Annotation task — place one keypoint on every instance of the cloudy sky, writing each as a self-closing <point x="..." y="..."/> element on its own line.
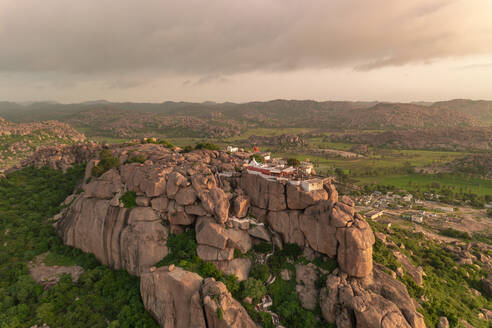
<point x="233" y="50"/>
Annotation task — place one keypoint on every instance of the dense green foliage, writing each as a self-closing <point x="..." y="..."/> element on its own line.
<point x="129" y="199"/>
<point x="447" y="284"/>
<point x="253" y="288"/>
<point x="450" y="232"/>
<point x="107" y="162"/>
<point x="136" y="159"/>
<point x="182" y="252"/>
<point x="260" y="272"/>
<point x="451" y="188"/>
<point x="101" y="297"/>
<point x="207" y="145"/>
<point x="163" y="142"/>
<point x="293" y="161"/>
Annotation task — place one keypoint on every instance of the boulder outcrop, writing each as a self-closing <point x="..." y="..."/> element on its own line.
<point x="173" y="297"/>
<point x="221" y="309"/>
<point x="130" y="239"/>
<point x="378" y="301"/>
<point x="229" y="211"/>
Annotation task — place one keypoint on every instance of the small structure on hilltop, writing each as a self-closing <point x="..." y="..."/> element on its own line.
<point x="307" y="167"/>
<point x="312" y="184"/>
<point x="232" y="149"/>
<point x="270" y="170"/>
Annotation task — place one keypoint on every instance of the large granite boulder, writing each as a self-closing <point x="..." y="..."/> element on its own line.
<point x="287" y="224"/>
<point x="221" y="309"/>
<point x="104" y="187"/>
<point x="209" y="232"/>
<point x="487" y="285"/>
<point x="297" y="199"/>
<point x="130" y="239"/>
<point x="307" y="292"/>
<point x="355" y="249"/>
<point x="378" y="302"/>
<point x="241" y="206"/>
<point x="264" y="193"/>
<point x="173" y="297"/>
<point x="238" y="267"/>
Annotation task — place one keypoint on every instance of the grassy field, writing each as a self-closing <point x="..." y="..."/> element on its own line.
<point x="382" y="159"/>
<point x="471" y="184"/>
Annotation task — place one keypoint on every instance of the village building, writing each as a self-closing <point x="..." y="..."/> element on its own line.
<point x="417" y="218"/>
<point x="408" y="198"/>
<point x="446" y="209"/>
<point x="373" y="215"/>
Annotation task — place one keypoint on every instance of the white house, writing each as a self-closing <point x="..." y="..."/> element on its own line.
<point x="408" y="198"/>
<point x="312" y="184"/>
<point x="374" y="214"/>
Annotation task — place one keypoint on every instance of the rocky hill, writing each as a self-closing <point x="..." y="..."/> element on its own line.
<point x="454" y="139"/>
<point x="134" y="199"/>
<point x="216" y="120"/>
<point x="19" y="140"/>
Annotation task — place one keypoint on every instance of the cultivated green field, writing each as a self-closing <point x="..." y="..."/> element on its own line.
<point x="381" y="159"/>
<point x="411" y="181"/>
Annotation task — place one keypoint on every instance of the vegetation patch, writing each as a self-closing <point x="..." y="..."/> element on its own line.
<point x="448" y="286"/>
<point x="101" y="297"/>
<point x="129" y="199"/>
<point x="182" y="252"/>
<point x="106" y="163"/>
<point x="136" y="159"/>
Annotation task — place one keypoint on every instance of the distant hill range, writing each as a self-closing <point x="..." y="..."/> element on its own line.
<point x="217" y="120"/>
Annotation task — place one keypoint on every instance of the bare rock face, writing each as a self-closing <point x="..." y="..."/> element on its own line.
<point x="487" y="285"/>
<point x="355" y="248"/>
<point x="298" y="199"/>
<point x="173" y="297"/>
<point x="131" y="239"/>
<point x="239" y="239"/>
<point x="443" y="322"/>
<point x="379" y="302"/>
<point x="260" y="232"/>
<point x="416" y="273"/>
<point x="215" y="202"/>
<point x="221" y="309"/>
<point x="241" y="206"/>
<point x="238" y="267"/>
<point x="319" y="233"/>
<point x="287" y="224"/>
<point x="210" y="233"/>
<point x="306" y="277"/>
<point x="175" y="180"/>
<point x="264" y="193"/>
<point x="48" y="276"/>
<point x="143" y="179"/>
<point x="210" y="253"/>
<point x="105" y="186"/>
<point x="186" y="196"/>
